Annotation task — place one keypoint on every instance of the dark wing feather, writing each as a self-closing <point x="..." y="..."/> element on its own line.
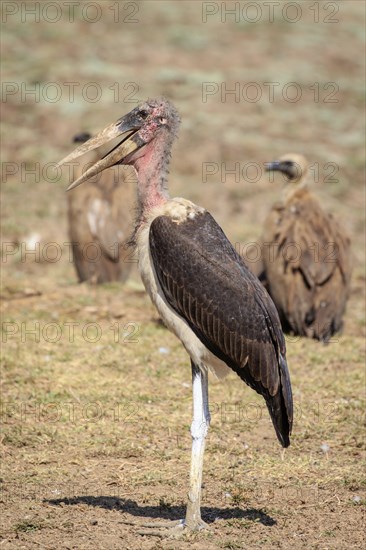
<point x="206" y="282"/>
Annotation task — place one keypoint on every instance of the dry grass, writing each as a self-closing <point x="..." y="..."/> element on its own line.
<point x="94" y="433"/>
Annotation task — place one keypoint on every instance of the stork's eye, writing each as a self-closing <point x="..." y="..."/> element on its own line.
<point x="162" y="120"/>
<point x="143" y="114"/>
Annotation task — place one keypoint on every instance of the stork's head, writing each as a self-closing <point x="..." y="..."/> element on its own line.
<point x="155" y="117"/>
<point x="293" y="166"/>
<point x="128" y="139"/>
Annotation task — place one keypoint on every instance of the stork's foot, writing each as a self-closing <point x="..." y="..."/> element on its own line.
<point x="196" y="525"/>
<point x="168" y="529"/>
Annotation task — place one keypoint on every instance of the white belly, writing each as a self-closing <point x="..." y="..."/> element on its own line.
<point x="178" y="209"/>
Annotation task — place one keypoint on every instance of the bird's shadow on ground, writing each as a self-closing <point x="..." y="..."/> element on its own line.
<point x="209" y="514"/>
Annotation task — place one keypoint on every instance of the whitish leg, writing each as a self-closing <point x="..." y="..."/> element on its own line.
<point x="199" y="429"/>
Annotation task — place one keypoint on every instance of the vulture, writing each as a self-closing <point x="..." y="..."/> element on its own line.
<point x="306" y="257"/>
<point x="100" y="218"/>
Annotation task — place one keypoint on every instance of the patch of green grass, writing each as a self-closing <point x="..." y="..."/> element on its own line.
<point x="330" y="533"/>
<point x="26" y="526"/>
<point x="232" y="545"/>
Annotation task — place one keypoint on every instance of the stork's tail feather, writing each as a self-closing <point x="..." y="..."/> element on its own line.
<point x="280" y="406"/>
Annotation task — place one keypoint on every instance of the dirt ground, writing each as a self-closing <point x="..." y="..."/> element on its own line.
<point x="96" y="397"/>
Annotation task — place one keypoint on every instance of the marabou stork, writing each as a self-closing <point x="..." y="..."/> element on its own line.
<point x="306" y="257"/>
<point x="100" y="219"/>
<point x="199" y="284"/>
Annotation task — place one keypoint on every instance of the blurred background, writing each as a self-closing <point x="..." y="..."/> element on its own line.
<point x="252" y="81"/>
<point x="251" y="84"/>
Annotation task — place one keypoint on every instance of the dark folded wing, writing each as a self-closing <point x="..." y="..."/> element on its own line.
<point x="206" y="282"/>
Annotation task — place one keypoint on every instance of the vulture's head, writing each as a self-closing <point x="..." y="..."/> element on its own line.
<point x="293" y="166"/>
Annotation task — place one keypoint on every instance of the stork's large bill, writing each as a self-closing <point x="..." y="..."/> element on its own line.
<point x="113" y="145"/>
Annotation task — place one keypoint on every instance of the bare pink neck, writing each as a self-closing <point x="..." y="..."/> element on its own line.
<point x="152" y="168"/>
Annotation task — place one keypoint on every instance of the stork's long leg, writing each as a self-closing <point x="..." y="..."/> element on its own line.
<point x="199" y="429"/>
